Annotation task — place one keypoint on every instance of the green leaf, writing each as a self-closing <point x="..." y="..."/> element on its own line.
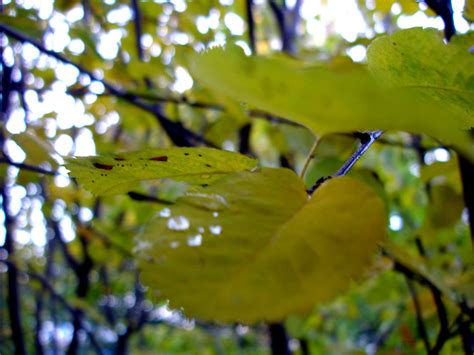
<point x="419" y="61"/>
<point x="121" y="173"/>
<point x="329" y="98"/>
<point x="253" y="247"/>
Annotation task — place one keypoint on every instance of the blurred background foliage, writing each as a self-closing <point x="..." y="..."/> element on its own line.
<point x="95" y="77"/>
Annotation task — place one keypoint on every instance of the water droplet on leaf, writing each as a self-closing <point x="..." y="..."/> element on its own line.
<point x="195" y="241"/>
<point x="178" y="223"/>
<point x="165" y="212"/>
<point x="216" y="230"/>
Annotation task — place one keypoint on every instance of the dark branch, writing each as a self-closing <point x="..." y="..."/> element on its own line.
<point x="278" y="339"/>
<point x="179" y="134"/>
<point x="28" y="167"/>
<point x="13" y="290"/>
<point x="366" y="140"/>
<point x="444" y="9"/>
<point x="419" y="315"/>
<point x="137" y="196"/>
<point x="46" y="285"/>
<point x="137" y="23"/>
<point x="251" y="25"/>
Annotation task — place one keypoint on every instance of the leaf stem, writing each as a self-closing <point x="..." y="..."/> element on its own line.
<point x="310" y="157"/>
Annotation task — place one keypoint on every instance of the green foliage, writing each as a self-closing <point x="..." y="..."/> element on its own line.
<point x="344" y="97"/>
<point x="121" y="173"/>
<point x="234" y="243"/>
<point x="421" y="63"/>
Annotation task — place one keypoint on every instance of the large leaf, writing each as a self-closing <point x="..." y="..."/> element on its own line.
<point x="331" y="98"/>
<point x="121" y="173"/>
<point x="253" y="247"/>
<point x="420" y="62"/>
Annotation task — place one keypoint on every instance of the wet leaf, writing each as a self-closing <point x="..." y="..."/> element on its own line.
<point x="121" y="173"/>
<point x="342" y="97"/>
<point x="253" y="247"/>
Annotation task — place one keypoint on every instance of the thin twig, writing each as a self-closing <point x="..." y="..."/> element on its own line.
<point x="251" y="26"/>
<point x="179" y="134"/>
<point x="137" y="196"/>
<point x="58" y="297"/>
<point x="29" y="167"/>
<point x="137" y="22"/>
<point x="419" y="317"/>
<point x="368" y="139"/>
<point x="310" y="157"/>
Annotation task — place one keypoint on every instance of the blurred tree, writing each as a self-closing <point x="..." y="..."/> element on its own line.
<point x="269" y="263"/>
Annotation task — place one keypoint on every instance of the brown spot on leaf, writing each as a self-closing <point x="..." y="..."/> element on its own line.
<point x="162" y="158"/>
<point x="119" y="159"/>
<point x="103" y="166"/>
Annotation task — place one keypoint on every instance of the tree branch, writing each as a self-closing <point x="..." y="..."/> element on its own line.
<point x="419" y="317"/>
<point x="13" y="290"/>
<point x="366" y="140"/>
<point x="137" y="22"/>
<point x="33" y="168"/>
<point x="179" y="134"/>
<point x="251" y="25"/>
<point x="46" y="285"/>
<point x="278" y="339"/>
<point x="13" y="299"/>
<point x="444" y="9"/>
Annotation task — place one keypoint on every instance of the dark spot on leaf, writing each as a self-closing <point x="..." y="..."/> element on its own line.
<point x="186" y="154"/>
<point x="200" y="155"/>
<point x="162" y="158"/>
<point x="209" y="165"/>
<point x="119" y="159"/>
<point x="205" y="185"/>
<point x="103" y="166"/>
<point x="93" y="181"/>
<point x="394" y="43"/>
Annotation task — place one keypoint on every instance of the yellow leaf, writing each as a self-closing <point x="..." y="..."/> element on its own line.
<point x="343" y="97"/>
<point x="253" y="247"/>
